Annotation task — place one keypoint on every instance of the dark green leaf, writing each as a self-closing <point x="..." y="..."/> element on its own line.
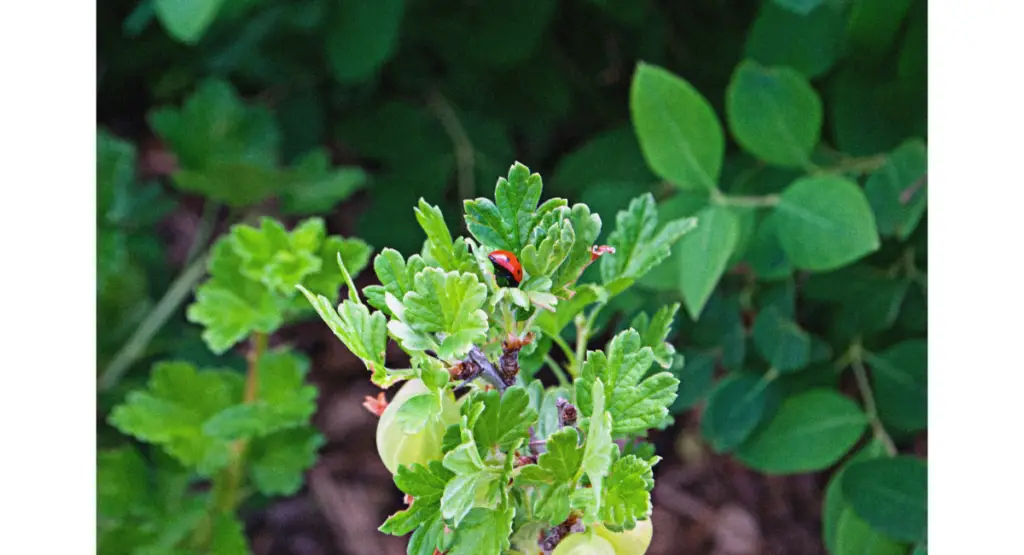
<point x="781" y="341"/>
<point x="277" y="462"/>
<point x="810" y="431"/>
<point x="900" y="377"/>
<point x="734" y="410"/>
<point x="362" y="36"/>
<point x="695" y="372"/>
<point x="855" y="537"/>
<point x="835" y="505"/>
<point x="808" y="43"/>
<point x="897" y="192"/>
<point x="187" y="20"/>
<point x="891" y="495"/>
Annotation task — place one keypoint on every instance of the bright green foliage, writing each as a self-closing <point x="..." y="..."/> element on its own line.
<point x="679" y="134"/>
<point x="443" y="303"/>
<point x="174" y="410"/>
<point x="635" y="403"/>
<point x="638" y="247"/>
<point x="774" y="113"/>
<point x="806" y="263"/>
<point x="505" y="419"/>
<point x="626" y="494"/>
<point x="654" y="333"/>
<point x="703" y="255"/>
<point x="426" y="485"/>
<point x="254" y="273"/>
<point x="824" y="223"/>
<point x="555" y="475"/>
<point x="891" y="495"/>
<point x="809" y="432"/>
<point x="476" y="482"/>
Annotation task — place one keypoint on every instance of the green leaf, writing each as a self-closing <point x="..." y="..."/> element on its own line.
<point x="824" y="223"/>
<point x="426" y="486"/>
<point x="654" y="333"/>
<point x="276" y="258"/>
<point x="735" y="408"/>
<point x="173" y="408"/>
<point x="874" y="26"/>
<point x="122" y="482"/>
<point x="808" y="43"/>
<point x="475" y="484"/>
<point x="507" y="222"/>
<point x="315" y="188"/>
<point x="282" y="400"/>
<point x="187" y="20"/>
<point x="550" y="243"/>
<point x="229" y="305"/>
<point x="765" y="253"/>
<point x="448" y="303"/>
<point x="361" y="37"/>
<point x="677" y="128"/>
<point x="900" y="376"/>
<point x="598" y="448"/>
<point x="354" y="253"/>
<point x="835" y="505"/>
<point x="396" y="276"/>
<point x="855" y="537"/>
<point x="810" y="431"/>
<point x="228" y="536"/>
<point x="627" y="492"/>
<point x="634" y="402"/>
<point x="364" y="334"/>
<point x="637" y="247"/>
<point x="277" y="462"/>
<point x="451" y="256"/>
<point x="586" y="228"/>
<point x="505" y="419"/>
<point x="554" y="477"/>
<point x="896" y="191"/>
<point x="781" y="341"/>
<point x="483" y="532"/>
<point x="704" y="254"/>
<point x="891" y="495"/>
<point x="774" y="113"/>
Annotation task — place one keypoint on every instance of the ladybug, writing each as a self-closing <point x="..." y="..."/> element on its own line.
<point x="507" y="268"/>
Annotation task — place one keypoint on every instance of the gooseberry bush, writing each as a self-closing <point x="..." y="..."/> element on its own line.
<point x="491" y="460"/>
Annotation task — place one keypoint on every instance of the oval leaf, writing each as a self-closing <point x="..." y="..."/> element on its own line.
<point x="677" y="128"/>
<point x="704" y="253"/>
<point x="774" y="113"/>
<point x="362" y="37"/>
<point x="811" y="431"/>
<point x="855" y="537"/>
<point x="735" y="408"/>
<point x="824" y="223"/>
<point x="891" y="495"/>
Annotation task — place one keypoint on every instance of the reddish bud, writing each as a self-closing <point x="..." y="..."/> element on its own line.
<point x="376" y="405"/>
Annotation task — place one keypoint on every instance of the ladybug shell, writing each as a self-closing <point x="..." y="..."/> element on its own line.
<point x="508" y="262"/>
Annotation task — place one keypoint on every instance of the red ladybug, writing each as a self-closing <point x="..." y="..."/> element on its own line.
<point x="507" y="268"/>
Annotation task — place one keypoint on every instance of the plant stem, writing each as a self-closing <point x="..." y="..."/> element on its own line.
<point x="860" y="373"/>
<point x="204" y="230"/>
<point x="864" y="164"/>
<point x="165" y="307"/>
<point x="559" y="373"/>
<point x="569" y="354"/>
<point x="744" y="201"/>
<point x="464" y="151"/>
<point x="226" y="486"/>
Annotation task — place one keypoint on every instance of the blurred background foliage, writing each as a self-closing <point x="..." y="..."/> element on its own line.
<point x="213" y="111"/>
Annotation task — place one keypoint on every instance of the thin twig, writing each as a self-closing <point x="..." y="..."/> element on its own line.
<point x="136" y="344"/>
<point x="860" y="373"/>
<point x="465" y="157"/>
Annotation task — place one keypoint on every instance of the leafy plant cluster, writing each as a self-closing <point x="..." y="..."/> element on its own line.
<point x="519" y="463"/>
<point x="793" y="131"/>
<point x="209" y="434"/>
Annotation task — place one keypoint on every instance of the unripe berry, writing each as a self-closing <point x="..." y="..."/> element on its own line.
<point x="629" y="542"/>
<point x="399" y="448"/>
<point x="586" y="543"/>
